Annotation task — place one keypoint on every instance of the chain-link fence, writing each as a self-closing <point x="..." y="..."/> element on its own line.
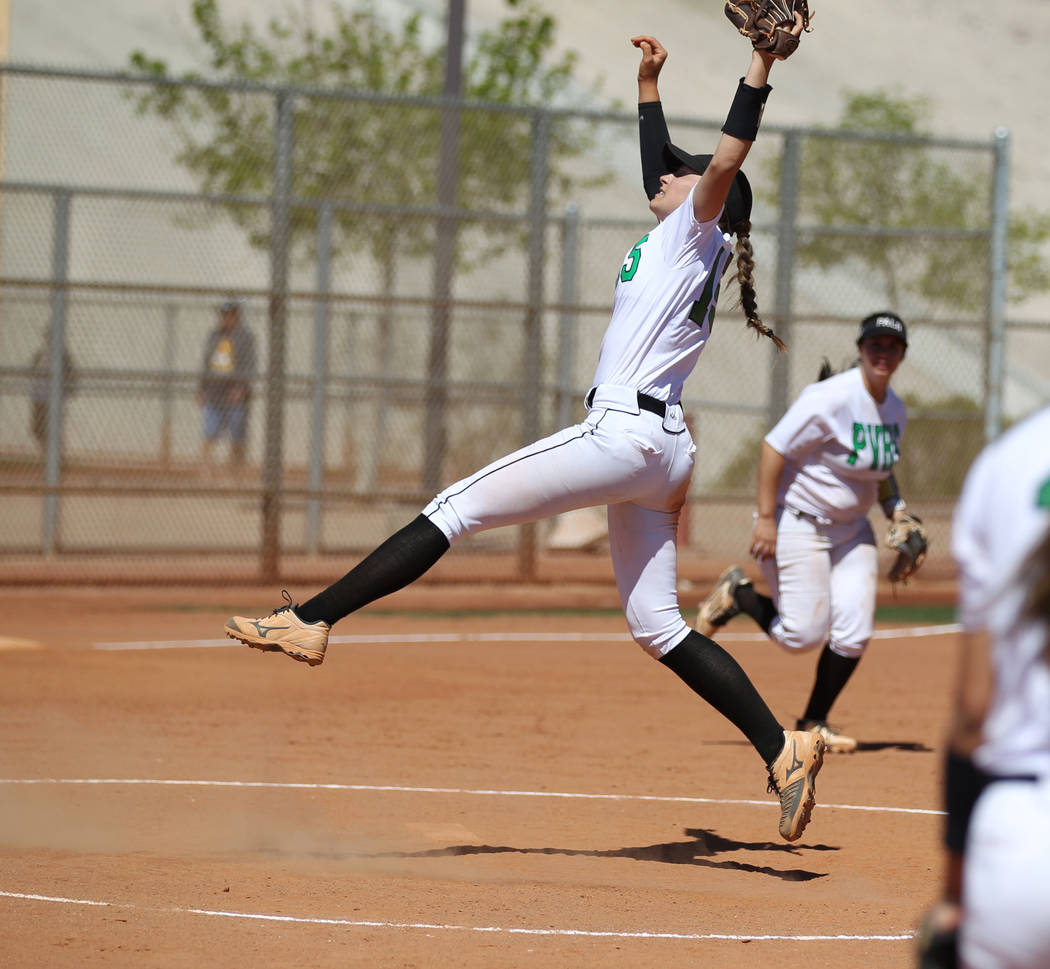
<point x="413" y="319"/>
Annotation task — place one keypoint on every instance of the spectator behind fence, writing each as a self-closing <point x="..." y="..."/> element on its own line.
<point x="40" y="388"/>
<point x="225" y="389"/>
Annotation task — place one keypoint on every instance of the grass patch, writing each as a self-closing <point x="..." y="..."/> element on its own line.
<point x="935" y="615"/>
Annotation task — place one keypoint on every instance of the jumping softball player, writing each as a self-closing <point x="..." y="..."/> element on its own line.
<point x="998" y="769"/>
<point x="820" y="471"/>
<point x="632" y="453"/>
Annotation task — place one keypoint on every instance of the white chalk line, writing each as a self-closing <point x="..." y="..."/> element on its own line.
<point x="447" y="927"/>
<point x="399" y="789"/>
<point x="424" y="639"/>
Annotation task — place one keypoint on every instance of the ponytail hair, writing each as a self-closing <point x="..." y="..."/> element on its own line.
<point x="745" y="268"/>
<point x="1037" y="602"/>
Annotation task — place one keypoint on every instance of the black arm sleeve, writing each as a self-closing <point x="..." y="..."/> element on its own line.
<point x="652" y="136"/>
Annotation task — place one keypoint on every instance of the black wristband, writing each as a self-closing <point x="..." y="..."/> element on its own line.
<point x="963" y="783"/>
<point x="745" y="113"/>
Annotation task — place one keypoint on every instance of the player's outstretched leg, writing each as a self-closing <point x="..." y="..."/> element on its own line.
<point x="282" y="631"/>
<point x="720" y="605"/>
<point x="793" y="776"/>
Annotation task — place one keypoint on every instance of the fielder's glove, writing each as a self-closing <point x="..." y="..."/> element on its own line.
<point x="909" y="540"/>
<point x="767" y="23"/>
<point x="937" y="939"/>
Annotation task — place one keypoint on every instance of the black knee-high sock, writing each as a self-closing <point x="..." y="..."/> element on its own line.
<point x="400" y="560"/>
<point x="833" y="672"/>
<point x="757" y="606"/>
<point x="708" y="670"/>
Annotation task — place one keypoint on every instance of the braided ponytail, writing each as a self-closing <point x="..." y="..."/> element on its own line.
<point x="1037" y="602"/>
<point x="745" y="267"/>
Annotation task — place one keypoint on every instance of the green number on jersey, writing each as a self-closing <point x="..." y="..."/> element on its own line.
<point x="1042" y="498"/>
<point x="630" y="265"/>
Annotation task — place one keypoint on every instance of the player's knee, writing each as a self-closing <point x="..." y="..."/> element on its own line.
<point x="849" y="650"/>
<point x="657" y="634"/>
<point x="798" y="637"/>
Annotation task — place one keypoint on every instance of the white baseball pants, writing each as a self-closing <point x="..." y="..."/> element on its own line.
<point x="1006" y="879"/>
<point x="823" y="584"/>
<point x="633" y="461"/>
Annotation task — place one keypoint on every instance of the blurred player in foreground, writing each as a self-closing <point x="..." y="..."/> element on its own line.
<point x="997" y="777"/>
<point x="633" y="453"/>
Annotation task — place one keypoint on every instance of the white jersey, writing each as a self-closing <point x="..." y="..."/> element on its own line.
<point x="1003" y="511"/>
<point x="839" y="443"/>
<point x="664" y="305"/>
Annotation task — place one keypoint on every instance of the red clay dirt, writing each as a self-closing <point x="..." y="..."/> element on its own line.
<point x="509" y="789"/>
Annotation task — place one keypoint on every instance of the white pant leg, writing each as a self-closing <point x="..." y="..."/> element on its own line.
<point x="1006" y="879"/>
<point x="643" y="543"/>
<point x="629" y="462"/>
<point x="592" y="463"/>
<point x="800" y="584"/>
<point x="854" y="577"/>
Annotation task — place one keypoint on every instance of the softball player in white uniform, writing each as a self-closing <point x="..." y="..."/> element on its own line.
<point x="632" y="453"/>
<point x="1001" y="545"/>
<point x="820" y="472"/>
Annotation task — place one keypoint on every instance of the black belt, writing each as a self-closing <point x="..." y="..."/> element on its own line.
<point x="645" y="402"/>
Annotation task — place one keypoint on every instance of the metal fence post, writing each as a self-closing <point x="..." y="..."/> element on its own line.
<point x="322" y="311"/>
<point x="787" y="231"/>
<point x="567" y="320"/>
<point x="435" y="434"/>
<point x="532" y="375"/>
<point x="993" y="399"/>
<point x="280" y="237"/>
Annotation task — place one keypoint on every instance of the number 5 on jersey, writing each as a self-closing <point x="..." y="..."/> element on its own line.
<point x="630" y="264"/>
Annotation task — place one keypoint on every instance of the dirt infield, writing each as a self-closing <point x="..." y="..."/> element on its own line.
<point x="479" y="790"/>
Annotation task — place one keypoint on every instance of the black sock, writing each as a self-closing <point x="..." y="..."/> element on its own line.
<point x="757" y="606"/>
<point x="400" y="560"/>
<point x="833" y="672"/>
<point x="709" y="671"/>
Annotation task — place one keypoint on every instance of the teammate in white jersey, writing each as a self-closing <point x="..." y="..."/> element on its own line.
<point x="632" y="453"/>
<point x="821" y="469"/>
<point x="998" y="769"/>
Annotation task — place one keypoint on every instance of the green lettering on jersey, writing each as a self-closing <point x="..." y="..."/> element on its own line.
<point x="880" y="440"/>
<point x="1042" y="498"/>
<point x="859" y="443"/>
<point x="630" y="264"/>
<point x="709" y="297"/>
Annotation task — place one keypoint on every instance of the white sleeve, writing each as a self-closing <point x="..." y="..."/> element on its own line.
<point x="802" y="429"/>
<point x="970" y="547"/>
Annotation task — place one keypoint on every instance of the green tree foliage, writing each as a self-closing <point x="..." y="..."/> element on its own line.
<point x="365" y="149"/>
<point x="870" y="183"/>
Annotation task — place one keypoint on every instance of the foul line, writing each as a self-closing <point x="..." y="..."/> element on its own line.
<point x="443" y="927"/>
<point x="291" y="785"/>
<point x="423" y="639"/>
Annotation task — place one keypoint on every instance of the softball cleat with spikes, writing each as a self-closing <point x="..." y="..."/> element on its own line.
<point x="836" y="743"/>
<point x="720" y="605"/>
<point x="282" y="631"/>
<point x="793" y="778"/>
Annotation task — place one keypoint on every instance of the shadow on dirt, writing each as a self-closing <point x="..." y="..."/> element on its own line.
<point x="699" y="850"/>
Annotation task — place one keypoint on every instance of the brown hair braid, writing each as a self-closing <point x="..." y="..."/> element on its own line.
<point x="745" y="267"/>
<point x="1037" y="602"/>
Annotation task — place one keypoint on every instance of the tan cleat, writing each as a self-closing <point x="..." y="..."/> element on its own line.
<point x="282" y="631"/>
<point x="836" y="743"/>
<point x="720" y="605"/>
<point x="792" y="776"/>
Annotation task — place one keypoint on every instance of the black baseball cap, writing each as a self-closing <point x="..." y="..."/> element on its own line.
<point x="882" y="324"/>
<point x="738" y="204"/>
